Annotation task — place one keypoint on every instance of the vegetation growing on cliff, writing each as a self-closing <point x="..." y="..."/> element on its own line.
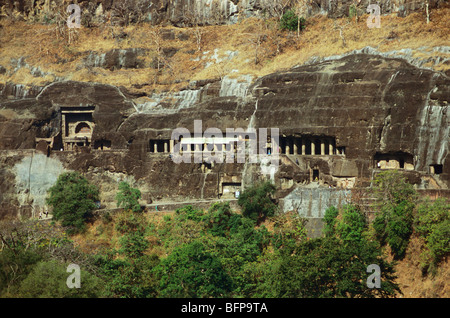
<point x="73" y="199"/>
<point x="221" y="252"/>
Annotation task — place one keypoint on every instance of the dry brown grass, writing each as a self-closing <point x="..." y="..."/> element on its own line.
<point x="43" y="46"/>
<point x="413" y="283"/>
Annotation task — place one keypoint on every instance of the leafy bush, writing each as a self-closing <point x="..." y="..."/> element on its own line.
<point x="330" y="221"/>
<point x="220" y="220"/>
<point x="48" y="280"/>
<point x="134" y="244"/>
<point x="432" y="222"/>
<point x="73" y="200"/>
<point x="190" y="271"/>
<point x="185" y="226"/>
<point x="394" y="225"/>
<point x="290" y="21"/>
<point x="394" y="221"/>
<point x="128" y="278"/>
<point x="352" y="225"/>
<point x="429" y="214"/>
<point x="390" y="188"/>
<point x="132" y="226"/>
<point x="256" y="201"/>
<point x="322" y="267"/>
<point x="189" y="213"/>
<point x="128" y="197"/>
<point x="14" y="268"/>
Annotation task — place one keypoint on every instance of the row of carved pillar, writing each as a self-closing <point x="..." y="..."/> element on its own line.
<point x="166" y="145"/>
<point x="314" y="146"/>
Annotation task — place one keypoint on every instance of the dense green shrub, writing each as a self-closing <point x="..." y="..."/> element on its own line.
<point x="290" y="21"/>
<point x="190" y="271"/>
<point x="188" y="212"/>
<point x="256" y="201"/>
<point x="14" y="268"/>
<point x="73" y="200"/>
<point x="322" y="267"/>
<point x="221" y="221"/>
<point x="330" y="221"/>
<point x="432" y="223"/>
<point x="352" y="225"/>
<point x="439" y="241"/>
<point x="133" y="227"/>
<point x="396" y="200"/>
<point x="128" y="278"/>
<point x="48" y="280"/>
<point x="128" y="197"/>
<point x="394" y="226"/>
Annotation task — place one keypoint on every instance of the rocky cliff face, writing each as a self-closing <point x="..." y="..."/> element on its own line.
<point x="340" y="121"/>
<point x="189" y="12"/>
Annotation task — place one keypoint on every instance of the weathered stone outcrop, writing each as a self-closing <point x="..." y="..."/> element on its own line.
<point x="357" y="115"/>
<point x="116" y="59"/>
<point x="189" y="12"/>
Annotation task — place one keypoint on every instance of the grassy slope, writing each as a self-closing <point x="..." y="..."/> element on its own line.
<point x="44" y="46"/>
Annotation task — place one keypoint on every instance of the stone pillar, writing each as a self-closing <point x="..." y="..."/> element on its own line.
<point x="166" y="144"/>
<point x="171" y="143"/>
<point x="322" y="147"/>
<point x="287" y="147"/>
<point x="331" y="148"/>
<point x="295" y="147"/>
<point x="63" y="125"/>
<point x="303" y="147"/>
<point x="155" y="147"/>
<point x="197" y="147"/>
<point x="313" y="147"/>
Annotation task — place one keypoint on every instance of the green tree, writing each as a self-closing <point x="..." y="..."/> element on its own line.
<point x="48" y="280"/>
<point x="257" y="202"/>
<point x="128" y="269"/>
<point x="73" y="200"/>
<point x="323" y="267"/>
<point x="128" y="197"/>
<point x="14" y="268"/>
<point x="184" y="226"/>
<point x="330" y="221"/>
<point x="132" y="227"/>
<point x="191" y="272"/>
<point x="220" y="220"/>
<point x="188" y="212"/>
<point x="292" y="22"/>
<point x="432" y="223"/>
<point x="129" y="278"/>
<point x="352" y="225"/>
<point x="396" y="199"/>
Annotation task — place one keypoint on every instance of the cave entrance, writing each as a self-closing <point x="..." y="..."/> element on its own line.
<point x="76" y="126"/>
<point x="397" y="160"/>
<point x="102" y="144"/>
<point x="315" y="174"/>
<point x="230" y="189"/>
<point x="436" y="169"/>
